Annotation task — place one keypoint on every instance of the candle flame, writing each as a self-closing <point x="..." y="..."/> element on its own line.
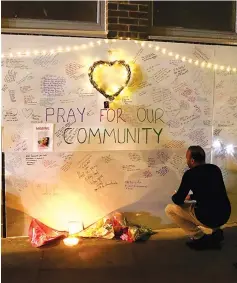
<point x="71" y="241"/>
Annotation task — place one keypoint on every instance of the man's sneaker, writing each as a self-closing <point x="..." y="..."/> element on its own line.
<point x="204" y="243"/>
<point x="218" y="236"/>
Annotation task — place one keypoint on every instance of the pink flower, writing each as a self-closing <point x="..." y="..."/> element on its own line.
<point x="124" y="237"/>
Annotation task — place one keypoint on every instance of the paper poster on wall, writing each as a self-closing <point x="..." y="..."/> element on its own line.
<point x="43" y="138"/>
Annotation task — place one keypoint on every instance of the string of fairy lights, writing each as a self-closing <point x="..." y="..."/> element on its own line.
<point x="152" y="45"/>
<point x="116" y="90"/>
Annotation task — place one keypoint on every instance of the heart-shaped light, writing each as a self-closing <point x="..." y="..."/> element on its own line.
<point x="110" y="78"/>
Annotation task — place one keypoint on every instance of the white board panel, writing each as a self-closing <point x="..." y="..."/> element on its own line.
<point x="129" y="158"/>
<point x="225" y="105"/>
<point x="87" y="186"/>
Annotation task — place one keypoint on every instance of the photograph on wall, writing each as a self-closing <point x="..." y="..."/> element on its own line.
<point x="43" y="138"/>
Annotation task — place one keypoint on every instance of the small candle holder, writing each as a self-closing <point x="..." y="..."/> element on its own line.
<point x="74" y="227"/>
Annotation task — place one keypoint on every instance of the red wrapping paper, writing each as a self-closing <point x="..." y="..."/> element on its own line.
<point x="41" y="234"/>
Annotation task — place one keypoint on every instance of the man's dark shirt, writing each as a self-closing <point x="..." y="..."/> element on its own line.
<point x="212" y="204"/>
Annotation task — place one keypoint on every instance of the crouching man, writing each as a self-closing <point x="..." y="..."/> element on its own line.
<point x="212" y="207"/>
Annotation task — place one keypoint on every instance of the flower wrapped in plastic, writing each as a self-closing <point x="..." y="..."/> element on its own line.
<point x="101" y="229"/>
<point x="136" y="233"/>
<point x="112" y="226"/>
<point x="116" y="225"/>
<point x="108" y="227"/>
<point x="40" y="234"/>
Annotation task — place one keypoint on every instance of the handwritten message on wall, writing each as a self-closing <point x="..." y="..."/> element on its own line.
<point x="130" y="157"/>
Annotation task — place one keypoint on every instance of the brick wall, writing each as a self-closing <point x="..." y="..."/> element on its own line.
<point x="128" y="19"/>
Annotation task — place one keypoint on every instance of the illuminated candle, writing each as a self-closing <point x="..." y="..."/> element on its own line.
<point x="74" y="227"/>
<point x="71" y="241"/>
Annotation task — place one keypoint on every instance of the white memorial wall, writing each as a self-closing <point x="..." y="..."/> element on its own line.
<point x="130" y="157"/>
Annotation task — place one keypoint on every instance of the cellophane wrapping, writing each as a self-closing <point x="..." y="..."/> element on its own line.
<point x="41" y="234"/>
<point x="115" y="225"/>
<point x="112" y="226"/>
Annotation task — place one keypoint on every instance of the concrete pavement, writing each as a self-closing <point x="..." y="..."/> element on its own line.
<point x="164" y="258"/>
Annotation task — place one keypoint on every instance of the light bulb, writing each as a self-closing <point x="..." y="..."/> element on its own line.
<point x="115" y="88"/>
<point x="157" y="47"/>
<point x="222" y="67"/>
<point x="27" y="53"/>
<point x="99" y="42"/>
<point x="150" y="45"/>
<point x="209" y="65"/>
<point x="106" y="41"/>
<point x="177" y="56"/>
<point x="68" y="48"/>
<point x="183" y="59"/>
<point x="163" y="50"/>
<point x="170" y="53"/>
<point x="196" y="62"/>
<point x="11" y="55"/>
<point x="215" y="67"/>
<point x="229" y="149"/>
<point x="228" y="69"/>
<point x="203" y="64"/>
<point x="19" y="54"/>
<point x="234" y="70"/>
<point x="143" y="44"/>
<point x="52" y="51"/>
<point x="190" y="60"/>
<point x="91" y="44"/>
<point x="76" y="47"/>
<point x="44" y="52"/>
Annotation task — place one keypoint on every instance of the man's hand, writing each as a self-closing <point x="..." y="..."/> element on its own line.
<point x="188" y="197"/>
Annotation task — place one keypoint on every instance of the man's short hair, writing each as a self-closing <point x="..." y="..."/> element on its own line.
<point x="197" y="153"/>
